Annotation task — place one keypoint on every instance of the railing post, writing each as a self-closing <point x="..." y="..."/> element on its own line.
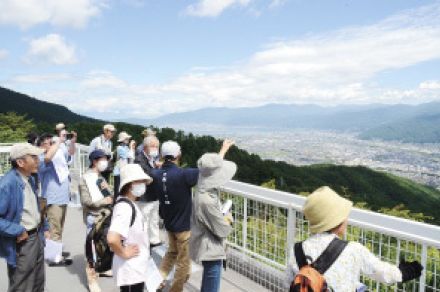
<point x="291" y="232"/>
<point x="245" y="222"/>
<point x="424" y="260"/>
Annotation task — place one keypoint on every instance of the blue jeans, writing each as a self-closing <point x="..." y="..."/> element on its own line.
<point x="212" y="271"/>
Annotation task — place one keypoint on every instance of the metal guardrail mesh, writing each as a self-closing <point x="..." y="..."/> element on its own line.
<point x="259" y="246"/>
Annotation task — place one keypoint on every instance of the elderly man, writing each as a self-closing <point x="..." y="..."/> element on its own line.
<point x="104" y="142"/>
<point x="148" y="159"/>
<point x="21" y="225"/>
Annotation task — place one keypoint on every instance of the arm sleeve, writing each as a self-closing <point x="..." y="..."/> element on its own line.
<point x="191" y="176"/>
<point x="7" y="228"/>
<point x="376" y="269"/>
<point x="212" y="217"/>
<point x="121" y="219"/>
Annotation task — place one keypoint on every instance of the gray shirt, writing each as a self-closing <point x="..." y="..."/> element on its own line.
<point x="30" y="218"/>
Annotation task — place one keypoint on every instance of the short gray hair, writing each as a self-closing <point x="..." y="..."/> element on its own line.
<point x="149" y="140"/>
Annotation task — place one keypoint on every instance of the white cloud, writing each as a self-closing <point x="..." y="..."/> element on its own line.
<point x="213" y="8"/>
<point x="337" y="67"/>
<point x="432" y="84"/>
<point x="35" y="78"/>
<point x="51" y="48"/>
<point x="3" y="54"/>
<point x="28" y="13"/>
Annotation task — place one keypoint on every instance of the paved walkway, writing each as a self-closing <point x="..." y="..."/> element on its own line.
<point x="72" y="278"/>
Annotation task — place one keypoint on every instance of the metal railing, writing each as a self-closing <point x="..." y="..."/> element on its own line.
<point x="269" y="222"/>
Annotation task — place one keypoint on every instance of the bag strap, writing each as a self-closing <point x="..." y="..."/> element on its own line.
<point x="133" y="210"/>
<point x="301" y="259"/>
<point x="330" y="255"/>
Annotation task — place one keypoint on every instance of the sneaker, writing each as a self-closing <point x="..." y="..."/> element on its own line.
<point x="108" y="274"/>
<point x="65" y="254"/>
<point x="63" y="263"/>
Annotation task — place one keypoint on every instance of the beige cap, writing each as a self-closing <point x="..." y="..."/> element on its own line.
<point x="148" y="132"/>
<point x="109" y="127"/>
<point x="133" y="172"/>
<point x="60" y="126"/>
<point x="325" y="209"/>
<point x="21" y="149"/>
<point x="123" y="136"/>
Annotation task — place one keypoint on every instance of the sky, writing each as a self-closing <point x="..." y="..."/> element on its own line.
<point x="118" y="59"/>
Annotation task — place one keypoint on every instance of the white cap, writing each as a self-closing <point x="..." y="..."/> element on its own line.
<point x="21" y="149"/>
<point x="109" y="127"/>
<point x="123" y="136"/>
<point x="60" y="126"/>
<point x="170" y="148"/>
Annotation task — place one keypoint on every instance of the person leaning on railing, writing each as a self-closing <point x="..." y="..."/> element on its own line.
<point x="328" y="213"/>
<point x="209" y="225"/>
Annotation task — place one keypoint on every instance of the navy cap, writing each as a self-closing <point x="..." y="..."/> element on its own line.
<point x="96" y="154"/>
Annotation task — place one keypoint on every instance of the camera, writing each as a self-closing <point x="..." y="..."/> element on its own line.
<point x="69" y="136"/>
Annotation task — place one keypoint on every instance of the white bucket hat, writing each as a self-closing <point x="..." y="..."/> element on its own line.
<point x="325" y="209"/>
<point x="123" y="136"/>
<point x="133" y="172"/>
<point x="214" y="171"/>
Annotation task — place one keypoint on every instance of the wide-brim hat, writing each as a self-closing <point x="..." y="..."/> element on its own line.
<point x="214" y="171"/>
<point x="109" y="127"/>
<point x="325" y="209"/>
<point x="133" y="172"/>
<point x="123" y="136"/>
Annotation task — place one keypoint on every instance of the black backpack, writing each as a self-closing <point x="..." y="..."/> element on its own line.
<point x="98" y="236"/>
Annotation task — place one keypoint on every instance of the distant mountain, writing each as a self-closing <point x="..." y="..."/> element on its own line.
<point x="37" y="110"/>
<point x="372" y="121"/>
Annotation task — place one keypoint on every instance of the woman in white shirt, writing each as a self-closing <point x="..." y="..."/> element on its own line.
<point x="126" y="235"/>
<point x="327" y="213"/>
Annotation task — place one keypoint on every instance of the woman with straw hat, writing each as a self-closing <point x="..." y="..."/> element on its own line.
<point x="210" y="225"/>
<point x="327" y="213"/>
<point x="127" y="237"/>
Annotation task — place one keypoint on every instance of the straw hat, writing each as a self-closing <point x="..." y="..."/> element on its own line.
<point x="133" y="172"/>
<point x="60" y="126"/>
<point x="325" y="209"/>
<point x="123" y="136"/>
<point x="109" y="127"/>
<point x="214" y="171"/>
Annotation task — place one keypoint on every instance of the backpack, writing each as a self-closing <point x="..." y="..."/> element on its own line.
<point x="98" y="237"/>
<point x="310" y="277"/>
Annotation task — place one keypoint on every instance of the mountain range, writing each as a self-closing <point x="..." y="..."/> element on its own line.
<point x="406" y="123"/>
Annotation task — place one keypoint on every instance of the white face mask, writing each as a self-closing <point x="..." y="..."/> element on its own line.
<point x="154" y="153"/>
<point x="102" y="165"/>
<point x="138" y="189"/>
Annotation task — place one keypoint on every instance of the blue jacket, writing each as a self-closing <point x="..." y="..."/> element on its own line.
<point x="11" y="209"/>
<point x="176" y="211"/>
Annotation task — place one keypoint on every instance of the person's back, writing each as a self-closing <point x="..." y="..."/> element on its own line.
<point x="173" y="186"/>
<point x="328" y="213"/>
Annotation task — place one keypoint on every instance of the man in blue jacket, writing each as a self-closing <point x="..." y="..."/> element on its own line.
<point x="22" y="230"/>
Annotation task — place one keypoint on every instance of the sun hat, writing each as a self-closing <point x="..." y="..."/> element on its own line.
<point x="123" y="136"/>
<point x="60" y="126"/>
<point x="325" y="209"/>
<point x="170" y="148"/>
<point x="22" y="149"/>
<point x="109" y="127"/>
<point x="214" y="171"/>
<point x="96" y="154"/>
<point x="133" y="172"/>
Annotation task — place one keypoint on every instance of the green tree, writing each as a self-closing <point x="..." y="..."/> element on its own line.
<point x="14" y="128"/>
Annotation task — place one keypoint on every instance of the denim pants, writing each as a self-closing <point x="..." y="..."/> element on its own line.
<point x="212" y="271"/>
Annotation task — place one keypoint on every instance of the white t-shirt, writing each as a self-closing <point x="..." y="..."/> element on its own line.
<point x="344" y="274"/>
<point x="134" y="270"/>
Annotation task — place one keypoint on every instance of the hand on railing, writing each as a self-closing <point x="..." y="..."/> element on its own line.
<point x="410" y="270"/>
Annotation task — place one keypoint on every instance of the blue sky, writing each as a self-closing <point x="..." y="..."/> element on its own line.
<point x="142" y="58"/>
